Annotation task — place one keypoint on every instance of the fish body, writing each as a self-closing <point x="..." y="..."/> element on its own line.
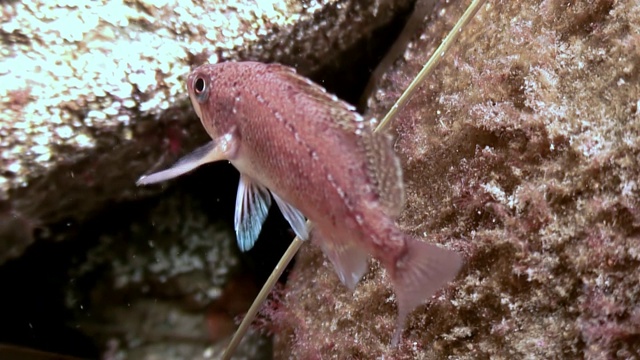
<point x="319" y="159"/>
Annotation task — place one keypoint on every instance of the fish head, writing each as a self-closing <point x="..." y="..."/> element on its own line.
<point x="211" y="88"/>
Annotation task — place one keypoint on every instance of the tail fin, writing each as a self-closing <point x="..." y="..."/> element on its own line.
<point x="417" y="275"/>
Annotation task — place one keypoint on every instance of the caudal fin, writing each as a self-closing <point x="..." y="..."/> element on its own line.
<point x="417" y="275"/>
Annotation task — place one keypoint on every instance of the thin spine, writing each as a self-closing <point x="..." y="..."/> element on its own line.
<point x="297" y="242"/>
<point x="431" y="64"/>
<point x="262" y="295"/>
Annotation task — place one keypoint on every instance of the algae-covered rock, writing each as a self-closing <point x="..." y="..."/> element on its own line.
<point x="521" y="152"/>
<point x="92" y="93"/>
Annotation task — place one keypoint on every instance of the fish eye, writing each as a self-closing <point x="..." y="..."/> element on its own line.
<point x="200" y="89"/>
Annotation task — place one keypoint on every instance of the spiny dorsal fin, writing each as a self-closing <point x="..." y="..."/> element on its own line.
<point x="383" y="166"/>
<point x="384" y="170"/>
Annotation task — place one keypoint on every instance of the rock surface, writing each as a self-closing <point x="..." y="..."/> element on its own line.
<point x="521" y="152"/>
<point x="92" y="96"/>
<point x="92" y="93"/>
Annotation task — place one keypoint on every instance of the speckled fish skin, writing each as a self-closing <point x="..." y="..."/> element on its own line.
<point x="295" y="139"/>
<point x="316" y="155"/>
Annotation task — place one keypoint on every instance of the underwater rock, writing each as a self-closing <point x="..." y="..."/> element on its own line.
<point x="521" y="151"/>
<point x="93" y="94"/>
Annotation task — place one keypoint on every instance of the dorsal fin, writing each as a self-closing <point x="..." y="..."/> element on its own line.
<point x="385" y="173"/>
<point x="383" y="166"/>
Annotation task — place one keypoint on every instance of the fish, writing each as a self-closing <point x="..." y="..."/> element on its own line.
<point x="320" y="160"/>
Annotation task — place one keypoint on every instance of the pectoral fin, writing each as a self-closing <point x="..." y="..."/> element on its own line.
<point x="294" y="217"/>
<point x="252" y="206"/>
<point x="212" y="151"/>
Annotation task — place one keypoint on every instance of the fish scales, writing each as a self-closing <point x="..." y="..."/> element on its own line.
<point x="297" y="148"/>
<point x="345" y="208"/>
<point x="318" y="159"/>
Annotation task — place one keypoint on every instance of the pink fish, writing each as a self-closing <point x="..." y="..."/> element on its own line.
<point x="319" y="159"/>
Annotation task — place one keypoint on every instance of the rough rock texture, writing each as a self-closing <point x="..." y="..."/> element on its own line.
<point x="92" y="93"/>
<point x="522" y="152"/>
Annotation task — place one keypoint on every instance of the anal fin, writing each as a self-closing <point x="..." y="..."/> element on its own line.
<point x="349" y="261"/>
